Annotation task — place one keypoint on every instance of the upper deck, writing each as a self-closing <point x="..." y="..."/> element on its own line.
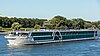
<point x="52" y="31"/>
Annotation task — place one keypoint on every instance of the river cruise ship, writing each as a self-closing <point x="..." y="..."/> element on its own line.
<point x="49" y="36"/>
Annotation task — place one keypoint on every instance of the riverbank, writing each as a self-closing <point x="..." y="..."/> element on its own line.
<point x="3" y="32"/>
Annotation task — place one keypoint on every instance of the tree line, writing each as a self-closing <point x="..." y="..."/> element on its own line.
<point x="60" y="22"/>
<point x="7" y="22"/>
<point x="57" y="22"/>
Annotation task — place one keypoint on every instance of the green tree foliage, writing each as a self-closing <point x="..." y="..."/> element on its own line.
<point x="60" y="22"/>
<point x="87" y="25"/>
<point x="54" y="23"/>
<point x="78" y="23"/>
<point x="99" y="26"/>
<point x="48" y="25"/>
<point x="6" y="22"/>
<point x="16" y="26"/>
<point x="0" y="28"/>
<point x="37" y="27"/>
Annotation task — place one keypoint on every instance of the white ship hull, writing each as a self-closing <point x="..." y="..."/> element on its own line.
<point x="24" y="41"/>
<point x="43" y="37"/>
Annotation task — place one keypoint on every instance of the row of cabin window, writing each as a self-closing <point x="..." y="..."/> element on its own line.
<point x="43" y="38"/>
<point x="41" y="33"/>
<point x="62" y="33"/>
<point x="81" y="32"/>
<point x="65" y="37"/>
<point x="75" y="36"/>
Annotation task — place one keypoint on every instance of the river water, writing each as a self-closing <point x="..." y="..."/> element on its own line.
<point x="75" y="48"/>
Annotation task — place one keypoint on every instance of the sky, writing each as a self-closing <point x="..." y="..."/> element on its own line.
<point x="47" y="9"/>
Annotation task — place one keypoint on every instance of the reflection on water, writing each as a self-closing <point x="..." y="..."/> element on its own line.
<point x="75" y="48"/>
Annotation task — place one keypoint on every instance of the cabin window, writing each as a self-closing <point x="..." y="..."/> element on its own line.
<point x="41" y="33"/>
<point x="43" y="38"/>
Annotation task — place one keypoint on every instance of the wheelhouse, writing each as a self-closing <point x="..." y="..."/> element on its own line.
<point x="23" y="34"/>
